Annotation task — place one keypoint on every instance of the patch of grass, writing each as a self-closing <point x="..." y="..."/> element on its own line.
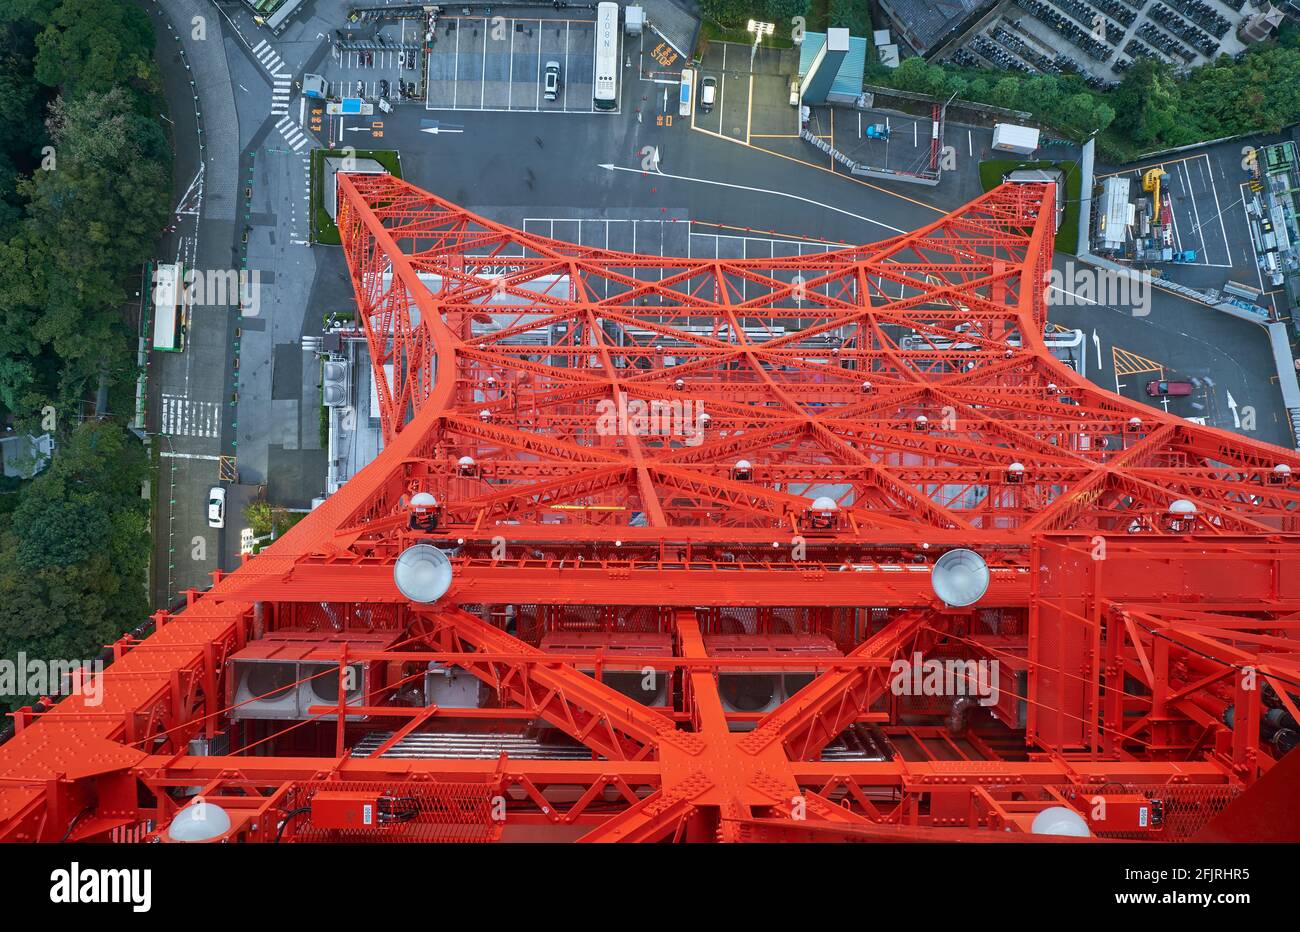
<point x="323" y="230"/>
<point x="1067" y="237"/>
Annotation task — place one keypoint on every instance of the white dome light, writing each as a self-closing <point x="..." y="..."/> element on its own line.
<point x="422" y="573"/>
<point x="825" y="503"/>
<point x="960" y="577"/>
<point x="199" y="821"/>
<point x="1060" y="820"/>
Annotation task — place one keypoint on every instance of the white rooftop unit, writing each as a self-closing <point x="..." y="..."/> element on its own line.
<point x="1010" y="137"/>
<point x="1115" y="213"/>
<point x="633" y="20"/>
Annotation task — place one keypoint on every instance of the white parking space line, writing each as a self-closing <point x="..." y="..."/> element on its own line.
<point x="455" y="69"/>
<point x="1196" y="212"/>
<point x="564" y="56"/>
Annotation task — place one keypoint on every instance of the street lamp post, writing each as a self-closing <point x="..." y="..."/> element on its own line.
<point x="759" y="30"/>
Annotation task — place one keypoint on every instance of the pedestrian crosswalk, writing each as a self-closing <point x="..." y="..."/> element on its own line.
<point x="280" y="95"/>
<point x="281" y="81"/>
<point x="185" y="417"/>
<point x="266" y="55"/>
<point x="292" y="133"/>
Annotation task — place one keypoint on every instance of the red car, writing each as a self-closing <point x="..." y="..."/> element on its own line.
<point x="1157" y="388"/>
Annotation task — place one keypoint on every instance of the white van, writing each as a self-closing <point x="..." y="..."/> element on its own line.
<point x="684" y="95"/>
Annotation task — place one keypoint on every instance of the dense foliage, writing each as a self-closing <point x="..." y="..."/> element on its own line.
<point x="84" y="186"/>
<point x="1062" y="101"/>
<point x="1261" y="92"/>
<point x="1153" y="107"/>
<point x="736" y="13"/>
<point x="85" y="180"/>
<point x="72" y="552"/>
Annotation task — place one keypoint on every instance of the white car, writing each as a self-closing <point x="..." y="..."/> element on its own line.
<point x="216" y="506"/>
<point x="708" y="91"/>
<point x="552" y="80"/>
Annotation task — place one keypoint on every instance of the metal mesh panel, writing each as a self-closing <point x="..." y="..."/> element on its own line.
<point x="534" y="621"/>
<point x="438" y="812"/>
<point x="1185" y="809"/>
<point x="339" y="616"/>
<point x="844" y="626"/>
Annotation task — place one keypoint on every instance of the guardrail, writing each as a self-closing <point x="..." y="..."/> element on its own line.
<point x="886" y="174"/>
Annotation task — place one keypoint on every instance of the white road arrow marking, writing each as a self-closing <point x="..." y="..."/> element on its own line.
<point x="1232" y="406"/>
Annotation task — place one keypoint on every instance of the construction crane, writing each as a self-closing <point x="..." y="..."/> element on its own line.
<point x="648" y="539"/>
<point x="1152" y="182"/>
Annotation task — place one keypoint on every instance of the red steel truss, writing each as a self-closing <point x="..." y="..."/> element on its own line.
<point x="626" y="453"/>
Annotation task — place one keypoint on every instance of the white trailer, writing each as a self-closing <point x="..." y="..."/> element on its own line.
<point x="1008" y="137"/>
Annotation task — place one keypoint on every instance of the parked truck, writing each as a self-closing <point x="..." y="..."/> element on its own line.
<point x="1021" y="140"/>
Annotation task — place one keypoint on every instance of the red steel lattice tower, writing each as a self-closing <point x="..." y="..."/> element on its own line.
<point x="731" y="479"/>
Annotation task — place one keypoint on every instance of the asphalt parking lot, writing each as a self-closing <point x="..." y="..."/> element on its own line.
<point x="752" y="107"/>
<point x="359" y="73"/>
<point x="497" y="63"/>
<point x="1207" y="214"/>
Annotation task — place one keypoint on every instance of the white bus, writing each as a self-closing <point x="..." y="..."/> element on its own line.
<point x="168" y="292"/>
<point x="606" y="91"/>
<point x="684" y="97"/>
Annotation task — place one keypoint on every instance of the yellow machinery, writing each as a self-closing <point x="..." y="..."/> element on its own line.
<point x="1151" y="181"/>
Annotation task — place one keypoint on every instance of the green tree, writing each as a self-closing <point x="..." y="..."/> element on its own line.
<point x="1006" y="92"/>
<point x="72" y="554"/>
<point x="95" y="45"/>
<point x="1147" y="104"/>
